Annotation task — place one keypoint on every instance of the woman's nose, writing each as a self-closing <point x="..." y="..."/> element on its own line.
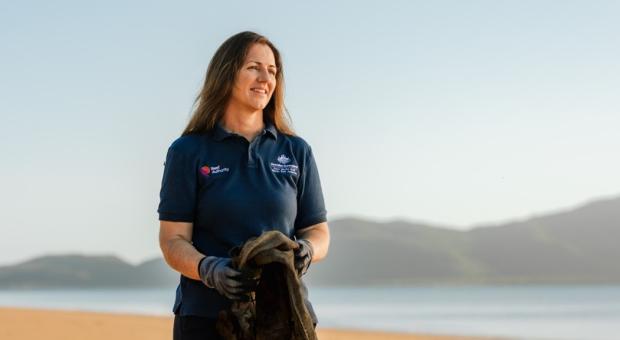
<point x="263" y="75"/>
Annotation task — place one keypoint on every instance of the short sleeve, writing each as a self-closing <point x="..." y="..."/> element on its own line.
<point x="178" y="188"/>
<point x="310" y="202"/>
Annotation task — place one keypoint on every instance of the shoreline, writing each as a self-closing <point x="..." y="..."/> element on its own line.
<point x="28" y="324"/>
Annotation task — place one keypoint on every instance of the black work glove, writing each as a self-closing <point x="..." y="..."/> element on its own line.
<point x="217" y="272"/>
<point x="303" y="256"/>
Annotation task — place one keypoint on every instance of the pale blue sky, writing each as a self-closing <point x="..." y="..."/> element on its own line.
<point x="452" y="112"/>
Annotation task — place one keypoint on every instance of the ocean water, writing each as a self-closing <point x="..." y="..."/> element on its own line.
<point x="516" y="312"/>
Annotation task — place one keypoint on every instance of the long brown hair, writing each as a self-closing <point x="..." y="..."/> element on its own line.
<point x="211" y="103"/>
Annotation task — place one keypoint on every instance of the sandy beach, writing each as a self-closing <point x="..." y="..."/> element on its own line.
<point x="30" y="324"/>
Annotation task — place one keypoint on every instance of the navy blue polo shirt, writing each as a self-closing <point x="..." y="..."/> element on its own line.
<point x="232" y="190"/>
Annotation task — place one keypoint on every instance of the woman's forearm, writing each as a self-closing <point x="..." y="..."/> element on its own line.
<point x="318" y="235"/>
<point x="181" y="255"/>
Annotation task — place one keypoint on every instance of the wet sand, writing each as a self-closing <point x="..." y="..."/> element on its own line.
<point x="31" y="324"/>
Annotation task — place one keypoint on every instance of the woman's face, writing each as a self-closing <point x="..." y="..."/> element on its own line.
<point x="256" y="80"/>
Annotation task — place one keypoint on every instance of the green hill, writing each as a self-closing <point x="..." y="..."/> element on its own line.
<point x="578" y="246"/>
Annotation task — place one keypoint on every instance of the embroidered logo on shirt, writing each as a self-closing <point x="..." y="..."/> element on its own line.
<point x="207" y="170"/>
<point x="283" y="159"/>
<point x="282" y="167"/>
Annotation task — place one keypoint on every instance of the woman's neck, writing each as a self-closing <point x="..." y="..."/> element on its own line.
<point x="246" y="124"/>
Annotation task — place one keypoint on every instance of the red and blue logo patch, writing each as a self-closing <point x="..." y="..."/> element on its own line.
<point x="205" y="170"/>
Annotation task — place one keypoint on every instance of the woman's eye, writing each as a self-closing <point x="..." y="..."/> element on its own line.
<point x="272" y="72"/>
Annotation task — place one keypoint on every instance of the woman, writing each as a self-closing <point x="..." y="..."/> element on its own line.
<point x="237" y="170"/>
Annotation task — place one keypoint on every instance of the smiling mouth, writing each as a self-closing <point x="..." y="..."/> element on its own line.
<point x="259" y="91"/>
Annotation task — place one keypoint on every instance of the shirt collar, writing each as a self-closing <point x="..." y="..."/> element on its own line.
<point x="269" y="127"/>
<point x="220" y="133"/>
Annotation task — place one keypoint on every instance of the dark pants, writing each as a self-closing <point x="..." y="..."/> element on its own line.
<point x="192" y="327"/>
